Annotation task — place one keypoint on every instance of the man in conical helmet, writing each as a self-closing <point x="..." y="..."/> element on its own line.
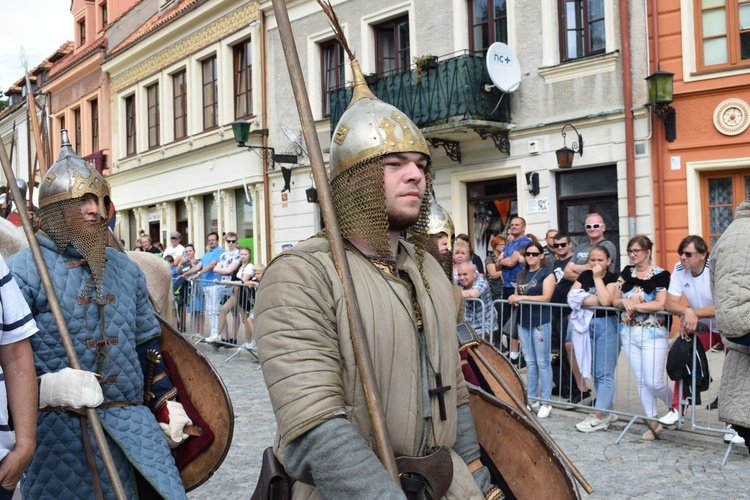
<point x="104" y="301"/>
<point x="380" y="174"/>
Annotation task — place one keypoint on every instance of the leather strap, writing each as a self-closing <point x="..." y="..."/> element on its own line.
<point x="90" y="459"/>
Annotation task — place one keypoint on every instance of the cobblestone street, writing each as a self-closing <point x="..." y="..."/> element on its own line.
<point x="682" y="465"/>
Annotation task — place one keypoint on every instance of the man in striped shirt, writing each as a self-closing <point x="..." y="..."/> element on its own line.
<point x="18" y="388"/>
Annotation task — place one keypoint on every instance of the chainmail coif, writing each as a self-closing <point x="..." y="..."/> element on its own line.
<point x="65" y="225"/>
<point x="358" y="197"/>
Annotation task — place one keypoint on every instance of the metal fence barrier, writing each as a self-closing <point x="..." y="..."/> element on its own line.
<point x="201" y="304"/>
<point x="628" y="398"/>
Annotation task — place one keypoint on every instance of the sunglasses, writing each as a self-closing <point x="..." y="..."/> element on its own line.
<point x="231" y="241"/>
<point x="533" y="254"/>
<point x="593" y="226"/>
<point x="634" y="250"/>
<point x="559" y="245"/>
<point x="686" y="254"/>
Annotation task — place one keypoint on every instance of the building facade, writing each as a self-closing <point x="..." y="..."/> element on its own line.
<point x="701" y="176"/>
<point x="176" y="85"/>
<point x="494" y="152"/>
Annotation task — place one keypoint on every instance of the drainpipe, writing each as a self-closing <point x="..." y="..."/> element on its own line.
<point x="658" y="139"/>
<point x="266" y="186"/>
<point x="627" y="86"/>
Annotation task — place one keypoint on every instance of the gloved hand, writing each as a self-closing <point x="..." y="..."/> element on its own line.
<point x="175" y="424"/>
<point x="69" y="387"/>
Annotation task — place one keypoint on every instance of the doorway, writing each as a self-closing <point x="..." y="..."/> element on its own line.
<point x="586" y="191"/>
<point x="492" y="204"/>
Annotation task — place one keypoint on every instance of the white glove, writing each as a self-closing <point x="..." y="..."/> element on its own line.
<point x="69" y="387"/>
<point x="178" y="419"/>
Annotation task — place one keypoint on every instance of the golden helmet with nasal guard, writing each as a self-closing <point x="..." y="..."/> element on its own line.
<point x="71" y="177"/>
<point x="371" y="128"/>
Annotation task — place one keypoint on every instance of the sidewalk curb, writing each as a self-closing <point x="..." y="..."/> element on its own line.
<point x="703" y="439"/>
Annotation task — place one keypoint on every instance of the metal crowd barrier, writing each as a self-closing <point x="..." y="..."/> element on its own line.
<point x="192" y="308"/>
<point x="500" y="324"/>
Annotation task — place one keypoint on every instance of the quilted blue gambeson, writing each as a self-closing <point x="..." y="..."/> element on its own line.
<point x="59" y="468"/>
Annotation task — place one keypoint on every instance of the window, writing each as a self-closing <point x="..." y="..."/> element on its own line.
<point x="179" y="93"/>
<point x="62" y="123"/>
<point x="392" y="46"/>
<point x="489" y="24"/>
<point x="332" y="71"/>
<point x="152" y="104"/>
<point x="130" y="147"/>
<point x="581" y="28"/>
<point x="210" y="94"/>
<point x="94" y="126"/>
<point x="103" y="14"/>
<point x="243" y="79"/>
<point x="82" y="32"/>
<point x="723" y="33"/>
<point x="722" y="192"/>
<point x="77" y="125"/>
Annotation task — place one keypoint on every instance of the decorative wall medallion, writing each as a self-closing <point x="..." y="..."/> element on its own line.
<point x="732" y="116"/>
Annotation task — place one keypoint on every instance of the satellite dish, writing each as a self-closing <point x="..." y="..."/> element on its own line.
<point x="293" y="137"/>
<point x="503" y="67"/>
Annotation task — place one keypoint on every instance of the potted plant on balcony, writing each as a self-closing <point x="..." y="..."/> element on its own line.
<point x="425" y="63"/>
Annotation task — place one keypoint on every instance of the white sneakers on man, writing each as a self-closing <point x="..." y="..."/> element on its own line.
<point x="592" y="423"/>
<point x="214" y="337"/>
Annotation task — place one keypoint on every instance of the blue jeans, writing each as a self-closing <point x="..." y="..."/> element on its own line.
<point x="605" y="342"/>
<point x="536" y="344"/>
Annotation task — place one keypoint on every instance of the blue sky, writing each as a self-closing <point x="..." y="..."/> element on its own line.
<point x="40" y="26"/>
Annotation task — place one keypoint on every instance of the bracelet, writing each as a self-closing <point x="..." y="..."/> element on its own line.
<point x="494" y="493"/>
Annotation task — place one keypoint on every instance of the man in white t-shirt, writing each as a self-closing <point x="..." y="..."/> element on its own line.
<point x="19" y="389"/>
<point x="228" y="263"/>
<point x="177" y="251"/>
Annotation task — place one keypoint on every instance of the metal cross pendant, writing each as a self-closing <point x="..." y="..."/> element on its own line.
<point x="440" y="391"/>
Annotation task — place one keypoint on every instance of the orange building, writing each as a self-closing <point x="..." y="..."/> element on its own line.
<point x="701" y="176"/>
<point x="77" y="87"/>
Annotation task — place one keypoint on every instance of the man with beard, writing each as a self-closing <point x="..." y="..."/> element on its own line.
<point x="380" y="172"/>
<point x="104" y="302"/>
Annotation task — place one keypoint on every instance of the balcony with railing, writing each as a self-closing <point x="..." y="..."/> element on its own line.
<point x="445" y="98"/>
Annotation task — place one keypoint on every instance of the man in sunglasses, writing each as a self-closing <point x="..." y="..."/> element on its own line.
<point x="228" y="263"/>
<point x="595" y="228"/>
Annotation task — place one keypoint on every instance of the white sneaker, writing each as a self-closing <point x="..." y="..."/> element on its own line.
<point x="214" y="337"/>
<point x="586" y="424"/>
<point x="544" y="411"/>
<point x="594" y="423"/>
<point x="732" y="436"/>
<point x="535" y="406"/>
<point x="671" y="418"/>
<point x="251" y="346"/>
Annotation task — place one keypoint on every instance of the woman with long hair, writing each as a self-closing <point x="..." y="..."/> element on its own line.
<point x="642" y="292"/>
<point x="605" y="340"/>
<point x="239" y="297"/>
<point x="536" y="283"/>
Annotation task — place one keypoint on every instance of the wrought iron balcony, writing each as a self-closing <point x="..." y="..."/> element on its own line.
<point x="456" y="94"/>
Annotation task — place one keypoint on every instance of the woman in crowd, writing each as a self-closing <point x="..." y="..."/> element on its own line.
<point x="642" y="292"/>
<point x="240" y="296"/>
<point x="536" y="283"/>
<point x="250" y="342"/>
<point x="190" y="291"/>
<point x="605" y="339"/>
<point x="495" y="278"/>
<point x="474" y="258"/>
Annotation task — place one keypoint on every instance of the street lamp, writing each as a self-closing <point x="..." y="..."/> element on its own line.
<point x="242" y="132"/>
<point x="660" y="95"/>
<point x="565" y="154"/>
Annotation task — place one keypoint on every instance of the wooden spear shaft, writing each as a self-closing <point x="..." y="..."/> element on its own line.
<point x="383" y="446"/>
<point x="93" y="417"/>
